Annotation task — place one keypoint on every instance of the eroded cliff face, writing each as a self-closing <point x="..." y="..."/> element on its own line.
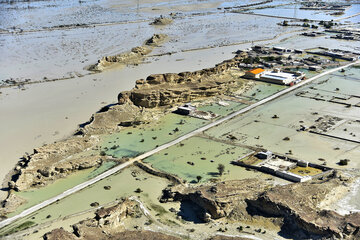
<point x="218" y="200"/>
<point x="297" y="203"/>
<point x="172" y="88"/>
<point x="110" y="118"/>
<point x="47" y="162"/>
<point x="58" y="160"/>
<point x="135" y="56"/>
<point x="294" y="207"/>
<point x="52" y="161"/>
<point x="108" y="224"/>
<point x="107" y="220"/>
<point x="138" y="106"/>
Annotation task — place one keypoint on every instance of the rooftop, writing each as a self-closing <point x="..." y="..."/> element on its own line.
<point x="257" y="71"/>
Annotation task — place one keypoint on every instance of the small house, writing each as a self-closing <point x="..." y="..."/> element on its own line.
<point x="185" y="109"/>
<point x="254" y="73"/>
<point x="264" y="155"/>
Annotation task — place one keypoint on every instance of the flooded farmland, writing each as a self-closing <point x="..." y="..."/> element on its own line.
<point x="179" y="119"/>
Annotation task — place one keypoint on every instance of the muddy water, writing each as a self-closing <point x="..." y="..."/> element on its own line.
<point x="36" y="196"/>
<point x="258" y="128"/>
<point x="221" y="110"/>
<point x="200" y="157"/>
<point x="133" y="141"/>
<point x="48" y="112"/>
<point x="261" y="90"/>
<point x="303" y="42"/>
<point x="294" y="11"/>
<point x="122" y="184"/>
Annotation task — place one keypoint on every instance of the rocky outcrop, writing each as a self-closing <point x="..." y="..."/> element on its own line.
<point x="10" y="204"/>
<point x="125" y="235"/>
<point x="223" y="237"/>
<point x="57" y="160"/>
<point x="108" y="119"/>
<point x="108" y="224"/>
<point x="161" y="21"/>
<point x="171" y="88"/>
<point x="59" y="233"/>
<point x="218" y="200"/>
<point x="135" y="107"/>
<point x="48" y="163"/>
<point x="297" y="203"/>
<point x="109" y="219"/>
<point x="156" y="40"/>
<point x="293" y="207"/>
<point x="135" y="56"/>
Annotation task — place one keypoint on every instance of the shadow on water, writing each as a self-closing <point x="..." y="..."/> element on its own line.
<point x="213" y="174"/>
<point x="190" y="212"/>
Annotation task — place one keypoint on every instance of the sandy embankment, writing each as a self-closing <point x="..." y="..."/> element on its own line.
<point x="51" y="111"/>
<point x="47" y="112"/>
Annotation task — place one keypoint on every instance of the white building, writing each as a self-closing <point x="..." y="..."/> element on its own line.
<point x="276" y="76"/>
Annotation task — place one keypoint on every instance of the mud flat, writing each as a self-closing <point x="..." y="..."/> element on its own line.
<point x="53" y="109"/>
<point x="76" y="100"/>
<point x="60" y="159"/>
<point x="219" y="208"/>
<point x="105" y="138"/>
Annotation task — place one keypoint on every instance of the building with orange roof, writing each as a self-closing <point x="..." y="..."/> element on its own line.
<point x="254" y="73"/>
<point x="276" y="76"/>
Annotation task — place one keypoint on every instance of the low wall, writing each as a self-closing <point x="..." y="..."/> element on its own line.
<point x="331" y="136"/>
<point x="158" y="173"/>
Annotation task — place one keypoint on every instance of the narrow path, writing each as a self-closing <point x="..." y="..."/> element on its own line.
<point x="343" y="18"/>
<point x="162" y="147"/>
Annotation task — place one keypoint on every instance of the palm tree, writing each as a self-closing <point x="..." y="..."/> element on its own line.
<point x="198" y="178"/>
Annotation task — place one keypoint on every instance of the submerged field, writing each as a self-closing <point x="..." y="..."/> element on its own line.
<point x="122" y="184"/>
<point x="317" y="123"/>
<point x="259" y="128"/>
<point x="199" y="156"/>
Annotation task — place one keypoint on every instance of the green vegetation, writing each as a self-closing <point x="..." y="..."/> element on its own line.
<point x="169" y="127"/>
<point x="327" y="24"/>
<point x="271" y="58"/>
<point x="221" y="169"/>
<point x="23" y="226"/>
<point x="344" y="162"/>
<point x="159" y="209"/>
<point x="170" y="222"/>
<point x="251" y="60"/>
<point x="138" y="190"/>
<point x="185" y="161"/>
